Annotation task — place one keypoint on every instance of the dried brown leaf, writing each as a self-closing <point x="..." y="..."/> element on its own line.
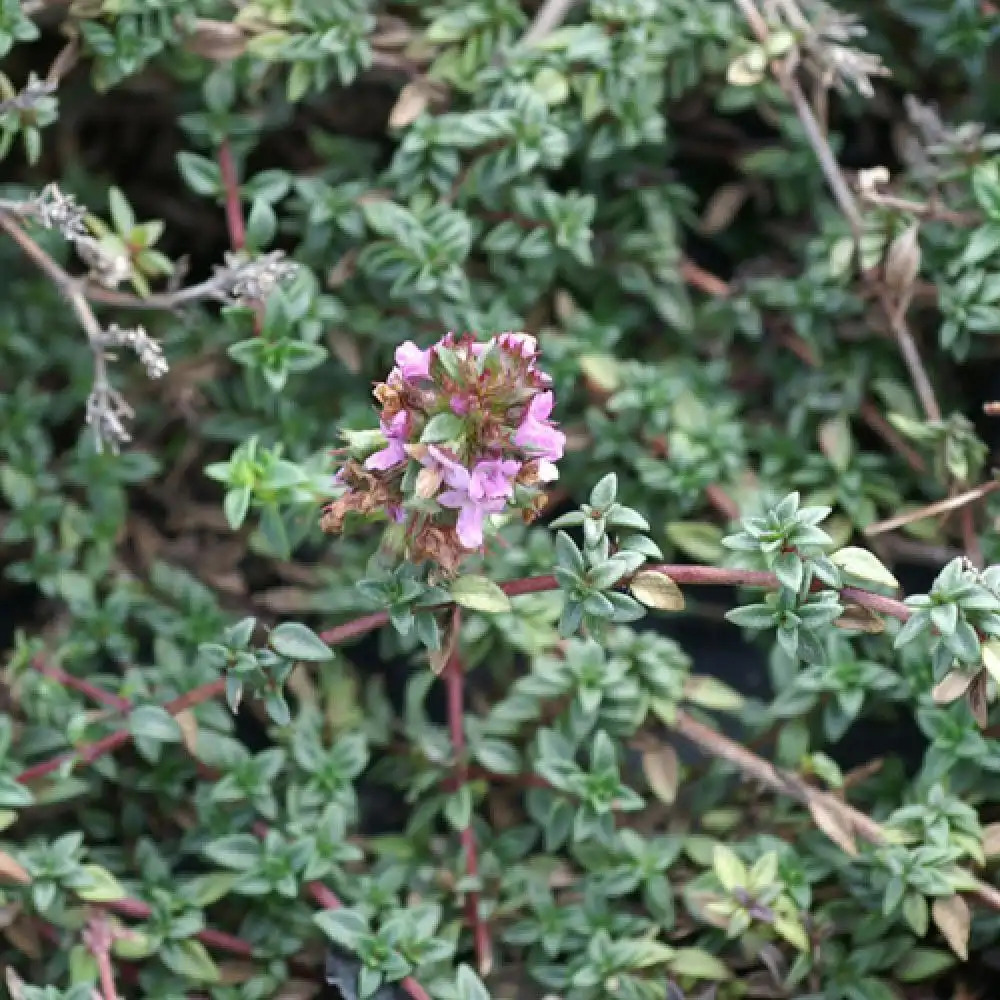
<point x="345" y="349"/>
<point x="657" y="590"/>
<point x="23" y="935"/>
<point x="410" y="105"/>
<point x="978" y="703"/>
<point x="287" y="600"/>
<point x="189" y="730"/>
<point x="220" y="41"/>
<point x="991" y="840"/>
<point x="951" y="687"/>
<point x="235" y="971"/>
<point x="835" y="441"/>
<point x="298" y="989"/>
<point x="11" y="871"/>
<point x="953" y="919"/>
<point x="833" y="823"/>
<point x="662" y="770"/>
<point x="723" y="207"/>
<point x="857" y="618"/>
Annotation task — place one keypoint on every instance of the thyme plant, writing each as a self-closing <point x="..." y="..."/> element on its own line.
<point x="382" y="387"/>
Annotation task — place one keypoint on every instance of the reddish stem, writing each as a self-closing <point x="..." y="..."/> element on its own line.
<point x="354" y="628"/>
<point x="327" y="898"/>
<point x="973" y="550"/>
<point x="220" y="940"/>
<point x="704" y="281"/>
<point x="455" y="683"/>
<point x="97" y="936"/>
<point x="683" y="574"/>
<point x="91" y="691"/>
<point x="234" y="210"/>
<point x="89" y="752"/>
<point x="871" y="416"/>
<point x="722" y="501"/>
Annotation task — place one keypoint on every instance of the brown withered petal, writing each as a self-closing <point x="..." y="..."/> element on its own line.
<point x="332" y="521"/>
<point x="439" y="546"/>
<point x="220" y="41"/>
<point x="428" y="481"/>
<point x="528" y="474"/>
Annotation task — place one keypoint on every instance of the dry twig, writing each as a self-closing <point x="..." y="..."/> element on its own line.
<point x="895" y="313"/>
<point x="550" y="15"/>
<point x="844" y="821"/>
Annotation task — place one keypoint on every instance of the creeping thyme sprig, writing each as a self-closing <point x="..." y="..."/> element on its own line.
<point x="465" y="433"/>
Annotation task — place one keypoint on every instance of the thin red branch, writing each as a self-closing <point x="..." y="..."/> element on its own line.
<point x="355" y="628"/>
<point x="454" y="674"/>
<point x="89" y="752"/>
<point x="876" y="422"/>
<point x="136" y="909"/>
<point x="682" y="574"/>
<point x="970" y="539"/>
<point x="327" y="898"/>
<point x="704" y="281"/>
<point x="98" y="938"/>
<point x="234" y="210"/>
<point x="91" y="691"/>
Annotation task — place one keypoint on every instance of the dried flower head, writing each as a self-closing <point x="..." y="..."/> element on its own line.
<point x="147" y="350"/>
<point x="254" y="278"/>
<point x="55" y="210"/>
<point x="109" y="267"/>
<point x="107" y="413"/>
<point x="466" y="433"/>
<point x="826" y="39"/>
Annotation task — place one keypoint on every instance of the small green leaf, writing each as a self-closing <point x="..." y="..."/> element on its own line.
<point x="133" y="944"/>
<point x="200" y="173"/>
<point x="296" y="641"/>
<point x="916" y="912"/>
<point x="923" y="963"/>
<point x="240" y="851"/>
<point x="442" y="427"/>
<point x="189" y="959"/>
<point x="121" y="213"/>
<point x="698" y="964"/>
<point x="344" y="927"/>
<point x="203" y="890"/>
<point x="102" y="886"/>
<point x="154" y="723"/>
<point x="82" y="966"/>
<point x="480" y="594"/>
<point x="710" y="692"/>
<point x="603" y="494"/>
<point x="236" y="505"/>
<point x="730" y="871"/>
<point x="458" y="808"/>
<point x="262" y="224"/>
<point x="468" y="986"/>
<point x="697" y="540"/>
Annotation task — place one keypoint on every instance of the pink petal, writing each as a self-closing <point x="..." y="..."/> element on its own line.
<point x="540" y="407"/>
<point x="413" y="362"/>
<point x="453" y="498"/>
<point x="470" y="526"/>
<point x="456" y="475"/>
<point x="390" y="456"/>
<point x="542" y="438"/>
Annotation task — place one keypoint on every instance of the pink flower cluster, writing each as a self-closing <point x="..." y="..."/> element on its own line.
<point x="467" y="433"/>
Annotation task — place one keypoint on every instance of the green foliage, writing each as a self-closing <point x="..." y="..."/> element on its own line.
<point x="197" y="757"/>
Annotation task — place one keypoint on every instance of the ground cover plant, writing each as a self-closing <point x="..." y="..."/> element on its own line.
<point x="476" y="475"/>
